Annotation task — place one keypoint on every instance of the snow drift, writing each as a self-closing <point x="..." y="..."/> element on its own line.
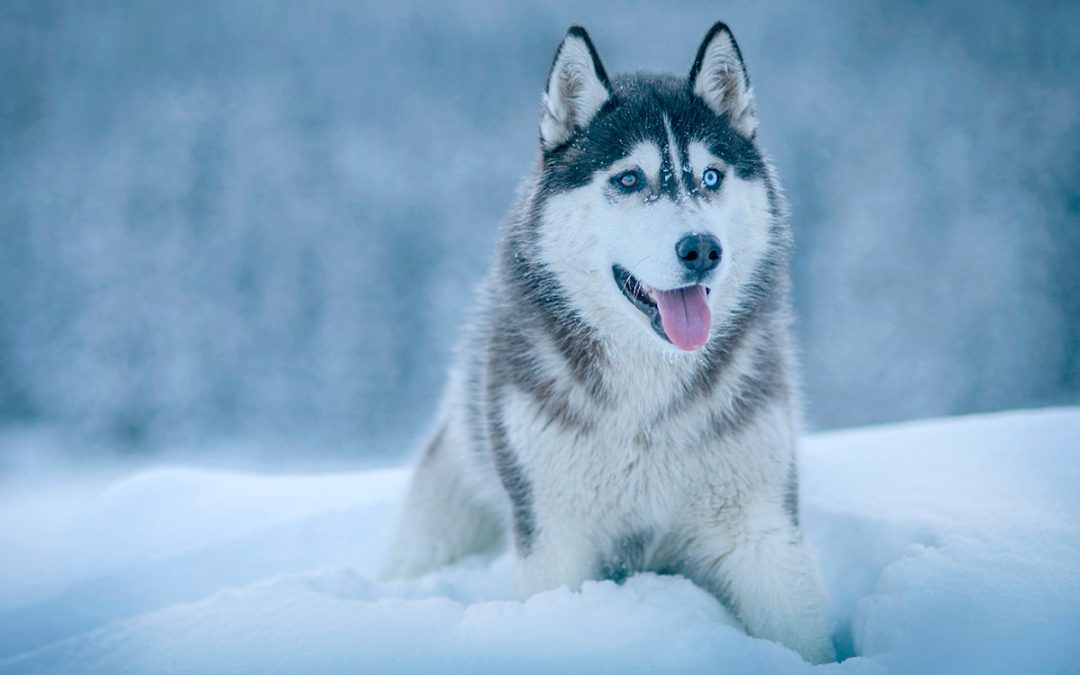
<point x="947" y="546"/>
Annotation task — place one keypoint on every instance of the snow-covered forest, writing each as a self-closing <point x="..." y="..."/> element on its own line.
<point x="203" y="206"/>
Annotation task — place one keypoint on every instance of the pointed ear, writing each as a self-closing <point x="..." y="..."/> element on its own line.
<point x="719" y="78"/>
<point x="577" y="88"/>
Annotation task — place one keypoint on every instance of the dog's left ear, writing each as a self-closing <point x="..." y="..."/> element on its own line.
<point x="577" y="88"/>
<point x="719" y="78"/>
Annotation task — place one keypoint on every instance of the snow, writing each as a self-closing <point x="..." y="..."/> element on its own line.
<point x="948" y="546"/>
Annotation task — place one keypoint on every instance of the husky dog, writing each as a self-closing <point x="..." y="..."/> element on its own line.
<point x="623" y="399"/>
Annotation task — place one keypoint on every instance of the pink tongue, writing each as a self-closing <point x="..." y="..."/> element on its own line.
<point x="685" y="316"/>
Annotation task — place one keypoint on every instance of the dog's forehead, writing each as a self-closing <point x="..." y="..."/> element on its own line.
<point x="651" y="107"/>
<point x="648" y="155"/>
<point x="650" y="111"/>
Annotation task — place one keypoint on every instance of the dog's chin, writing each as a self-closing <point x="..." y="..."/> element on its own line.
<point x="682" y="311"/>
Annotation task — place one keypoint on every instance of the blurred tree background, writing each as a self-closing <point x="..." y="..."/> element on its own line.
<point x="208" y="209"/>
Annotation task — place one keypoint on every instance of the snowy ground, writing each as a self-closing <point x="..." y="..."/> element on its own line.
<point x="948" y="546"/>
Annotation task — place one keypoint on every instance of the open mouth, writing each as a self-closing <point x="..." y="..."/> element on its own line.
<point x="680" y="316"/>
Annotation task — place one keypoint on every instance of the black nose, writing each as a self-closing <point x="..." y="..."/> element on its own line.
<point x="699" y="253"/>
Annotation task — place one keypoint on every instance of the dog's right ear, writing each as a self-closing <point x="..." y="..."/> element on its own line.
<point x="719" y="78"/>
<point x="577" y="88"/>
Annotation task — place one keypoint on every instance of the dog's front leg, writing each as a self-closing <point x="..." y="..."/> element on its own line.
<point x="758" y="565"/>
<point x="560" y="555"/>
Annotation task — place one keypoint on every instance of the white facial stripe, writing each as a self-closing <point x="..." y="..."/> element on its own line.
<point x="673" y="152"/>
<point x="645" y="155"/>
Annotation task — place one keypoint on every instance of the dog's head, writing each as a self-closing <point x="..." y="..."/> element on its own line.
<point x="655" y="200"/>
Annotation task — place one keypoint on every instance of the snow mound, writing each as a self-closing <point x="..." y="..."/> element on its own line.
<point x="948" y="546"/>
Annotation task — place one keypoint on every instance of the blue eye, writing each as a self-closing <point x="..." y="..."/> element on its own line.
<point x="629" y="181"/>
<point x="711" y="178"/>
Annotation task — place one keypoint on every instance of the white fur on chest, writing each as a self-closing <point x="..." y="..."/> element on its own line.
<point x="640" y="460"/>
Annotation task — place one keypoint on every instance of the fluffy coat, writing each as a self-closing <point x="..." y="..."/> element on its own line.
<point x="570" y="420"/>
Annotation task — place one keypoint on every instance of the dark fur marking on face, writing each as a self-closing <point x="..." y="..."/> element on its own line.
<point x="636" y="113"/>
<point x="627" y="556"/>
